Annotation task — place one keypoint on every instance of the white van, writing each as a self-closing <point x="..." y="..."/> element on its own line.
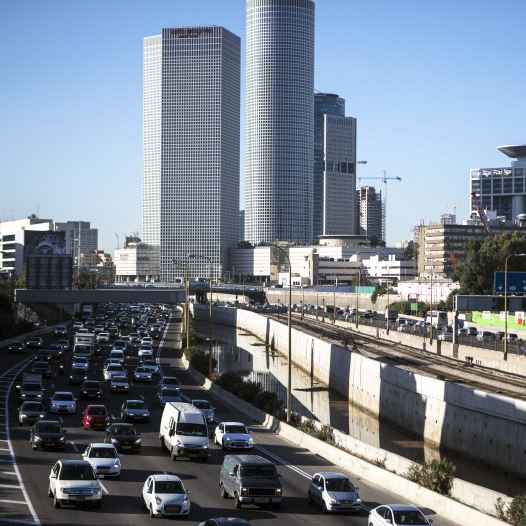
<point x="183" y="431"/>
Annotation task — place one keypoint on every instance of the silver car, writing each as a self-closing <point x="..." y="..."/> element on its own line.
<point x="142" y="374"/>
<point x="135" y="410"/>
<point x="206" y="408"/>
<point x="30" y="412"/>
<point x="334" y="492"/>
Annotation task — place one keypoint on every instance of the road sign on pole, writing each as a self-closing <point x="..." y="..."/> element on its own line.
<point x="516" y="283"/>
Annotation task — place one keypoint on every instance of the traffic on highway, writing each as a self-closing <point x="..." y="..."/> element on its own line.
<point x="109" y="428"/>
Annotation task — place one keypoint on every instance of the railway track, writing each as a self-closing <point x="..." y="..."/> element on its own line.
<point x="417" y="360"/>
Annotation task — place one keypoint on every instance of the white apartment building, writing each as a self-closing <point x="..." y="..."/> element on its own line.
<point x="191" y="148"/>
<point x="389" y="268"/>
<point x="12" y="241"/>
<point x="138" y="262"/>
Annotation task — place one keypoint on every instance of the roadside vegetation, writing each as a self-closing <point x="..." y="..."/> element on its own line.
<point x="514" y="513"/>
<point x="436" y="475"/>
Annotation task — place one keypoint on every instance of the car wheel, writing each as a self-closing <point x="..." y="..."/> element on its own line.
<point x="237" y="501"/>
<point x="173" y="455"/>
<point x="309" y="497"/>
<point x="324" y="507"/>
<point x="56" y="503"/>
<point x="49" y="492"/>
<point x="223" y="444"/>
<point x="223" y="492"/>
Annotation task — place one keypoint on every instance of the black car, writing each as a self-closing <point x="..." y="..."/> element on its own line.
<point x="16" y="347"/>
<point x="123" y="436"/>
<point x="77" y="375"/>
<point x="60" y="330"/>
<point x="43" y="355"/>
<point x="48" y="433"/>
<point x="91" y="390"/>
<point x="43" y="368"/>
<point x="34" y="342"/>
<point x="56" y="350"/>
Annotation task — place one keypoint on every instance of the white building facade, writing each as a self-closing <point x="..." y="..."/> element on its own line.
<point x="191" y="148"/>
<point x="138" y="262"/>
<point x="279" y="120"/>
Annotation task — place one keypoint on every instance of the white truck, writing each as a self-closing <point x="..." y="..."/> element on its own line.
<point x="84" y="345"/>
<point x="184" y="432"/>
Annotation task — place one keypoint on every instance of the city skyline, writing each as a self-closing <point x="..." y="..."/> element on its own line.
<point x="433" y="87"/>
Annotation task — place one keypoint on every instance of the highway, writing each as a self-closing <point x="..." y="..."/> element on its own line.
<point x="26" y="501"/>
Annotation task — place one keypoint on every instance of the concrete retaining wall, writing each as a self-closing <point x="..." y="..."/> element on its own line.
<point x="488" y="428"/>
<point x="468" y="501"/>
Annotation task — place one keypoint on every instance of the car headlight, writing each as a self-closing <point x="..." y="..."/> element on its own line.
<point x="145" y="414"/>
<point x="114" y="441"/>
<point x="179" y="443"/>
<point x="244" y="491"/>
<point x="23" y="415"/>
<point x="54" y="405"/>
<point x="158" y="501"/>
<point x="38" y="439"/>
<point x="250" y="440"/>
<point x="61" y="439"/>
<point x="41" y="415"/>
<point x="333" y="501"/>
<point x="116" y="464"/>
<point x="228" y="439"/>
<point x="97" y="491"/>
<point x="279" y="492"/>
<point x="358" y="501"/>
<point x="138" y="441"/>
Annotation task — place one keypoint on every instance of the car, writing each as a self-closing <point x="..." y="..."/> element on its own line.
<point x="142" y="374"/>
<point x="168" y="394"/>
<point x="117" y="356"/>
<point x="16" y="347"/>
<point x="233" y="435"/>
<point x="113" y="369"/>
<point x="169" y="381"/>
<point x="396" y="514"/>
<point x="225" y="521"/>
<point x="73" y="482"/>
<point x="63" y="402"/>
<point x="43" y="368"/>
<point x="134" y="338"/>
<point x="77" y="375"/>
<point x="95" y="416"/>
<point x="103" y="337"/>
<point x="113" y="331"/>
<point x="91" y="390"/>
<point x="82" y="330"/>
<point x="77" y="325"/>
<point x="123" y="436"/>
<point x="47" y="433"/>
<point x="66" y="347"/>
<point x="334" y="492"/>
<point x="43" y="355"/>
<point x="104" y="459"/>
<point x="60" y="330"/>
<point x="119" y="384"/>
<point x="81" y="362"/>
<point x="512" y="337"/>
<point x="151" y="365"/>
<point x="34" y="342"/>
<point x="55" y="350"/>
<point x="165" y="495"/>
<point x="30" y="412"/>
<point x="145" y="351"/>
<point x="135" y="410"/>
<point x="206" y="408"/>
<point x="484" y="336"/>
<point x="147" y="339"/>
<point x="473" y="331"/>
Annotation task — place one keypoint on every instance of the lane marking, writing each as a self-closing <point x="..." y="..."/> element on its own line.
<point x="7" y="472"/>
<point x="8" y="501"/>
<point x="104" y="489"/>
<point x="10" y="486"/>
<point x="4" y="448"/>
<point x="74" y="446"/>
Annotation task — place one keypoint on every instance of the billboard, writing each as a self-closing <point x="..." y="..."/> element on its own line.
<point x="44" y="243"/>
<point x="47" y="266"/>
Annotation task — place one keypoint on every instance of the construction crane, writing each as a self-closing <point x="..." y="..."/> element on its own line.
<point x="481" y="213"/>
<point x="384" y="180"/>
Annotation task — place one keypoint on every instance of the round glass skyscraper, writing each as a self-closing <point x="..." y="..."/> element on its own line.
<point x="279" y="120"/>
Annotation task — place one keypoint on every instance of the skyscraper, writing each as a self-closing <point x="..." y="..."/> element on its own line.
<point x="279" y="120"/>
<point x="191" y="147"/>
<point x="370" y="213"/>
<point x="334" y="167"/>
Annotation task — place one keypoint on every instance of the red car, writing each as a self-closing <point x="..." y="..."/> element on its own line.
<point x="95" y="416"/>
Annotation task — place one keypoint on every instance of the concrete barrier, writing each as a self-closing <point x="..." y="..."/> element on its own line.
<point x="478" y="502"/>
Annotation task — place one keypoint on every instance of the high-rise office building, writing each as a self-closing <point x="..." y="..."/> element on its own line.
<point x="279" y="120"/>
<point x="502" y="190"/>
<point x="370" y="213"/>
<point x="80" y="238"/>
<point x="334" y="167"/>
<point x="191" y="148"/>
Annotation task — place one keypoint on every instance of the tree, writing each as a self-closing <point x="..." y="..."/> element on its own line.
<point x="476" y="273"/>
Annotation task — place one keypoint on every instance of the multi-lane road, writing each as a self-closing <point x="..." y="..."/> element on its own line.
<point x="24" y="472"/>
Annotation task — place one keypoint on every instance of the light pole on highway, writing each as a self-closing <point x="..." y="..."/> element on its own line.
<point x="210" y="364"/>
<point x="289" y="320"/>
<point x="185" y="265"/>
<point x="505" y="356"/>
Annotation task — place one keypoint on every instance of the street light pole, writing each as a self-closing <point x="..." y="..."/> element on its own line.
<point x="334" y="301"/>
<point x="505" y="356"/>
<point x="357" y="294"/>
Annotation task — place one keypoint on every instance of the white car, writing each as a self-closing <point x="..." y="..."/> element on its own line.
<point x="147" y="339"/>
<point x="151" y="365"/>
<point x="117" y="356"/>
<point x="397" y="514"/>
<point x="113" y="369"/>
<point x="145" y="353"/>
<point x="78" y="325"/>
<point x="103" y="337"/>
<point x="165" y="495"/>
<point x="334" y="492"/>
<point x="233" y="435"/>
<point x="63" y="402"/>
<point x="104" y="459"/>
<point x="72" y="482"/>
<point x="81" y="362"/>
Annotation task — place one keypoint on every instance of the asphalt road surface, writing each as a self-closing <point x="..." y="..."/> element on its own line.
<point x="24" y="472"/>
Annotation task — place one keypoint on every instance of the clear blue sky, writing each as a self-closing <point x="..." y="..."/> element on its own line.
<point x="436" y="87"/>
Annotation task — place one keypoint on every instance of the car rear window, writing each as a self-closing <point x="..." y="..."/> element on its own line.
<point x="97" y="411"/>
<point x="47" y="428"/>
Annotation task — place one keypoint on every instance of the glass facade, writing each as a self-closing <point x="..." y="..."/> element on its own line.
<point x="279" y="120"/>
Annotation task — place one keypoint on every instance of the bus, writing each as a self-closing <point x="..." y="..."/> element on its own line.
<point x="437" y="318"/>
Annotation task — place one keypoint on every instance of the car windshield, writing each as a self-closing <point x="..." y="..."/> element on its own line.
<point x="97" y="411"/>
<point x="236" y="429"/>
<point x="170" y="381"/>
<point x="202" y="404"/>
<point x="63" y="397"/>
<point x="114" y="367"/>
<point x="47" y="427"/>
<point x="31" y="406"/>
<point x="136" y="405"/>
<point x="342" y="484"/>
<point x="168" y="486"/>
<point x="79" y="360"/>
<point x="258" y="471"/>
<point x="413" y="517"/>
<point x="150" y="363"/>
<point x="191" y="430"/>
<point x="91" y="385"/>
<point x="142" y="370"/>
<point x="77" y="472"/>
<point x="31" y="387"/>
<point x="123" y="430"/>
<point x="118" y="379"/>
<point x="77" y="370"/>
<point x="170" y="392"/>
<point x="102" y="452"/>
